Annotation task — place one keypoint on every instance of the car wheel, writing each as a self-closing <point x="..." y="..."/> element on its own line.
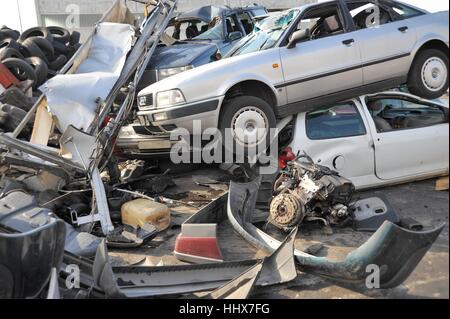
<point x="249" y="119"/>
<point x="428" y="77"/>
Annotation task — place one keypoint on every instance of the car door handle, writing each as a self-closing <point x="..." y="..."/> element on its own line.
<point x="348" y="42"/>
<point x="403" y="29"/>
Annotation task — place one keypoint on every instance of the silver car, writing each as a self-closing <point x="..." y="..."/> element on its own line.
<point x="305" y="58"/>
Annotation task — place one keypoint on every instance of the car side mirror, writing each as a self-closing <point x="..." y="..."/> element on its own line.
<point x="298" y="36"/>
<point x="235" y="35"/>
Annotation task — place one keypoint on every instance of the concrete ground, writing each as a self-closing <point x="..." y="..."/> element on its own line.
<point x="418" y="200"/>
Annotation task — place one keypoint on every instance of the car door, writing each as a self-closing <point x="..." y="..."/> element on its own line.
<point x="410" y="136"/>
<point x="385" y="42"/>
<point x="338" y="138"/>
<point x="320" y="66"/>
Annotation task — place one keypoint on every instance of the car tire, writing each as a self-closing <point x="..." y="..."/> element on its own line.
<point x="58" y="63"/>
<point x="40" y="68"/>
<point x="59" y="34"/>
<point x="10" y="53"/>
<point x="30" y="49"/>
<point x="10" y="43"/>
<point x="21" y="69"/>
<point x="45" y="46"/>
<point x="74" y="38"/>
<point x="247" y="113"/>
<point x="36" y="32"/>
<point x="428" y="77"/>
<point x="6" y="33"/>
<point x="60" y="48"/>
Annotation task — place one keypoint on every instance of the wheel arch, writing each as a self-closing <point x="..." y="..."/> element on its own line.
<point x="252" y="87"/>
<point x="430" y="43"/>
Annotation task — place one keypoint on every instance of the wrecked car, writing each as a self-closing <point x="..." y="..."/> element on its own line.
<point x="368" y="139"/>
<point x="305" y="58"/>
<point x="200" y="36"/>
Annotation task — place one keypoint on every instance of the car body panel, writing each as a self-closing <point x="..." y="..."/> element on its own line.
<point x="318" y="67"/>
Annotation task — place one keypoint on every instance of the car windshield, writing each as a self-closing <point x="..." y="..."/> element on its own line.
<point x="266" y="33"/>
<point x="213" y="34"/>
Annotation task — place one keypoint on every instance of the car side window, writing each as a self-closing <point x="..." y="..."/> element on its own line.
<point x="323" y="21"/>
<point x="368" y="14"/>
<point x="342" y="120"/>
<point x="404" y="11"/>
<point x="400" y="114"/>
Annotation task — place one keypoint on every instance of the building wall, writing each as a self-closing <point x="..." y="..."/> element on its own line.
<point x="81" y="15"/>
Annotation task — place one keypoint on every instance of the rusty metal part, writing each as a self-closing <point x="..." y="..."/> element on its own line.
<point x="286" y="210"/>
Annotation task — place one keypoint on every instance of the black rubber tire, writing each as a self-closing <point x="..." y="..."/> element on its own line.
<point x="6" y="33"/>
<point x="40" y="68"/>
<point x="58" y="63"/>
<point x="73" y="50"/>
<point x="21" y="69"/>
<point x="59" y="34"/>
<point x="45" y="46"/>
<point x="74" y="38"/>
<point x="10" y="43"/>
<point x="36" y="32"/>
<point x="232" y="106"/>
<point x="415" y="83"/>
<point x="30" y="49"/>
<point x="60" y="48"/>
<point x="10" y="53"/>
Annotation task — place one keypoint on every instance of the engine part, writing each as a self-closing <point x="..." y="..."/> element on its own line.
<point x="286" y="210"/>
<point x="311" y="191"/>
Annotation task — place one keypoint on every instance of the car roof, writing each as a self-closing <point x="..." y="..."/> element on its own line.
<point x="205" y="13"/>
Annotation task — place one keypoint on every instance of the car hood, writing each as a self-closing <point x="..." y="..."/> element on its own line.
<point x="179" y="55"/>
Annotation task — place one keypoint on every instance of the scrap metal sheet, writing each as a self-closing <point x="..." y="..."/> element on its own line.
<point x="72" y="97"/>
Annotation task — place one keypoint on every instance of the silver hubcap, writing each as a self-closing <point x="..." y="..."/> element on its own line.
<point x="434" y="74"/>
<point x="249" y="126"/>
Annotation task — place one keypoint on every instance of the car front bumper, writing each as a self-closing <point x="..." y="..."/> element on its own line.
<point x="183" y="116"/>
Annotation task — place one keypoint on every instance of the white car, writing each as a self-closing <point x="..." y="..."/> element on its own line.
<point x="377" y="140"/>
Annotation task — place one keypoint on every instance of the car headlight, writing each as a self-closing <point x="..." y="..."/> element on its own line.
<point x="145" y="100"/>
<point x="171" y="97"/>
<point x="165" y="73"/>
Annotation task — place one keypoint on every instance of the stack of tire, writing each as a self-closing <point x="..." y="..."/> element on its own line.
<point x="38" y="53"/>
